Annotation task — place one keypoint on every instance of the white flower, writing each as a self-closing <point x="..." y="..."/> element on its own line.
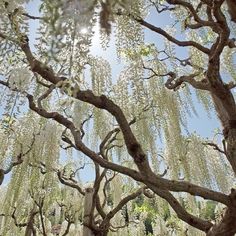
<point x="20" y="79"/>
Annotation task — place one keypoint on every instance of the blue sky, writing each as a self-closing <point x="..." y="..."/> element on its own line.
<point x="201" y="124"/>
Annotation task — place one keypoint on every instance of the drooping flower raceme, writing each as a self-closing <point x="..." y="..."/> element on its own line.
<point x="20" y="79"/>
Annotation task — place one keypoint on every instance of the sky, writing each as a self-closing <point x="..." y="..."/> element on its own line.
<point x="201" y="124"/>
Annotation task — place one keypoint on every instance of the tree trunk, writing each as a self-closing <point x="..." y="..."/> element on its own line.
<point x="228" y="122"/>
<point x="88" y="201"/>
<point x="225" y="106"/>
<point x="232" y="9"/>
<point x="30" y="230"/>
<point x="101" y="233"/>
<point x="227" y="225"/>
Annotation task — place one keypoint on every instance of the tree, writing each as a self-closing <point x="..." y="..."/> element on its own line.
<point x="67" y="88"/>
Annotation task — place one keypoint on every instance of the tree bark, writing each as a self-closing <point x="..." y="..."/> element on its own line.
<point x="227" y="225"/>
<point x="88" y="202"/>
<point x="1" y="176"/>
<point x="30" y="230"/>
<point x="232" y="9"/>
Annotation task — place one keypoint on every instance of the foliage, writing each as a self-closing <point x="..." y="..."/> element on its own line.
<point x="68" y="114"/>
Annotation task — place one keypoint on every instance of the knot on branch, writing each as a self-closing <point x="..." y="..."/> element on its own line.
<point x="148" y="193"/>
<point x="231" y="43"/>
<point x="173" y="83"/>
<point x="136" y="151"/>
<point x="89" y="190"/>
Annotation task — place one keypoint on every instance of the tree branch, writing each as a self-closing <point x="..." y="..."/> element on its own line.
<point x="174" y="83"/>
<point x="182" y="213"/>
<point x="172" y="39"/>
<point x="71" y="184"/>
